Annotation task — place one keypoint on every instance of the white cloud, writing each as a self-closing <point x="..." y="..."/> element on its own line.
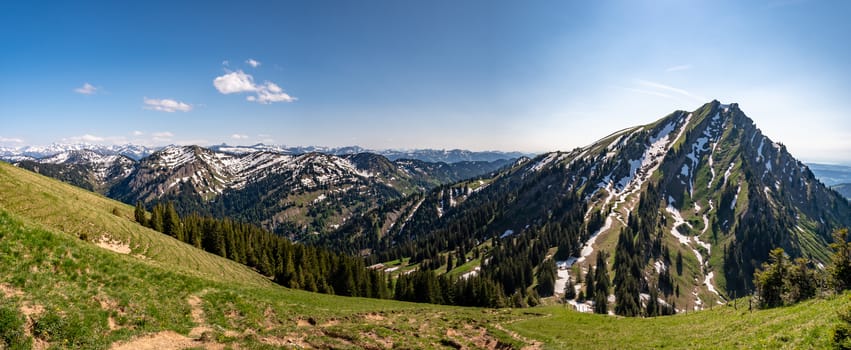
<point x="137" y="133"/>
<point x="239" y="136"/>
<point x="234" y="82"/>
<point x="163" y="134"/>
<point x="649" y="92"/>
<point x="270" y="92"/>
<point x="252" y="62"/>
<point x="666" y="88"/>
<point x="239" y="82"/>
<point x="678" y="68"/>
<point x="86" y="89"/>
<point x="166" y="105"/>
<point x="10" y="140"/>
<point x="225" y="63"/>
<point x="89" y="138"/>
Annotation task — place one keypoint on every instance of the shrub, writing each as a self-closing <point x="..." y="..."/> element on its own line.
<point x="842" y="331"/>
<point x="12" y="330"/>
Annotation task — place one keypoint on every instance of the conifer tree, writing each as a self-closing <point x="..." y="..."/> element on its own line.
<point x="589" y="283"/>
<point x="156" y="222"/>
<point x="171" y="222"/>
<point x="840" y="267"/>
<point x="601" y="284"/>
<point x="569" y="289"/>
<point x="139" y="213"/>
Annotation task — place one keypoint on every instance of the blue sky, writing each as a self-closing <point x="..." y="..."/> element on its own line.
<point x="531" y="76"/>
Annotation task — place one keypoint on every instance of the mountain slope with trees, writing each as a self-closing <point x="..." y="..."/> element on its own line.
<point x="688" y="206"/>
<point x="294" y="195"/>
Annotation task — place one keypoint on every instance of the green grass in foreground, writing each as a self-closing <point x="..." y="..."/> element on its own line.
<point x="63" y="292"/>
<point x="806" y="325"/>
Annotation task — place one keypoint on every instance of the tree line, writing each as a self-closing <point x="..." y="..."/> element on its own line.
<point x="289" y="264"/>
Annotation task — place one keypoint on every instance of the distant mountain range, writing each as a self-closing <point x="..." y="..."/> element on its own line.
<point x="286" y="191"/>
<point x="831" y="174"/>
<point x="137" y="152"/>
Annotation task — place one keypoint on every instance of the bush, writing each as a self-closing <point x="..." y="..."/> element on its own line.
<point x="73" y="331"/>
<point x="842" y="331"/>
<point x="12" y="330"/>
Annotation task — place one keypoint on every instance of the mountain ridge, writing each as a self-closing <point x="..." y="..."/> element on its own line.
<point x="706" y="185"/>
<point x="137" y="152"/>
<point x="288" y="190"/>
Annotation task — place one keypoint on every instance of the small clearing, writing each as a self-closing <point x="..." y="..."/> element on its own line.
<point x="114" y="245"/>
<point x="166" y="340"/>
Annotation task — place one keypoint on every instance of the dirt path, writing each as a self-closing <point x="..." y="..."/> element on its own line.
<point x="197" y="314"/>
<point x="533" y="344"/>
<point x="169" y="340"/>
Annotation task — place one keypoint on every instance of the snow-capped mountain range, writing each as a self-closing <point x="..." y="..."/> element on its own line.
<point x="263" y="184"/>
<point x="137" y="152"/>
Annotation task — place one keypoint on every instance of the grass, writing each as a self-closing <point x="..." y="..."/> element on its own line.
<point x="803" y="326"/>
<point x="63" y="292"/>
<point x="69" y="293"/>
<point x="59" y="207"/>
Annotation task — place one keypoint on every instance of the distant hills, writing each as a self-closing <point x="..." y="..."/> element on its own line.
<point x="831" y="174"/>
<point x="288" y="192"/>
<point x="137" y="152"/>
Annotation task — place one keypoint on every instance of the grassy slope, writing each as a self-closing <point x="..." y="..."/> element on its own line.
<point x="72" y="293"/>
<point x="57" y="206"/>
<point x="803" y="326"/>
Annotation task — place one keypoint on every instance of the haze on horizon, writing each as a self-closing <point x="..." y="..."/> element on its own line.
<point x="528" y="76"/>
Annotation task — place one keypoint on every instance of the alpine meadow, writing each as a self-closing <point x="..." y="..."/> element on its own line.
<point x="425" y="175"/>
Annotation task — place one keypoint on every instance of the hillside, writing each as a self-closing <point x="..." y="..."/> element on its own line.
<point x="698" y="199"/>
<point x="59" y="290"/>
<point x="292" y="194"/>
<point x="128" y="281"/>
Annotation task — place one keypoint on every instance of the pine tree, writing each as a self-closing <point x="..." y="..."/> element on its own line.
<point x="601" y="284"/>
<point x="589" y="283"/>
<point x="769" y="282"/>
<point x="140" y="214"/>
<point x="840" y="267"/>
<point x="569" y="289"/>
<point x="171" y="222"/>
<point x="156" y="222"/>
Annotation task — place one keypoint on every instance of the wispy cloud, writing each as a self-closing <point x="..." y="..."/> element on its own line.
<point x="166" y="105"/>
<point x="91" y="138"/>
<point x="86" y="89"/>
<point x="239" y="136"/>
<point x="240" y="82"/>
<point x="226" y="63"/>
<point x="665" y="89"/>
<point x="649" y="92"/>
<point x="137" y="133"/>
<point x="11" y="140"/>
<point x="252" y="62"/>
<point x="162" y="136"/>
<point x="678" y="68"/>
